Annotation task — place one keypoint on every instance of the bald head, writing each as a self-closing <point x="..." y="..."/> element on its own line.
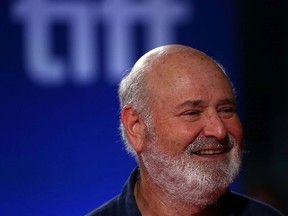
<point x="159" y="72"/>
<point x="152" y="60"/>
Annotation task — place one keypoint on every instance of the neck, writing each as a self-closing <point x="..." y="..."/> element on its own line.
<point x="152" y="201"/>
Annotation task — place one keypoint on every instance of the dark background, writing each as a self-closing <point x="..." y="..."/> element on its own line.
<point x="60" y="149"/>
<point x="264" y="63"/>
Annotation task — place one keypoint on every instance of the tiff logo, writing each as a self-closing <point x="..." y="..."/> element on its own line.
<point x="118" y="16"/>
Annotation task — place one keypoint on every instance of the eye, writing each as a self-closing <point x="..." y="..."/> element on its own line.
<point x="226" y="112"/>
<point x="192" y="113"/>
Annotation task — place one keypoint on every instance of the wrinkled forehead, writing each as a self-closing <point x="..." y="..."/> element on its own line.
<point x="180" y="67"/>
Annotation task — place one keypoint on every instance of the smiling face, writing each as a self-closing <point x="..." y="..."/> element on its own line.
<point x="191" y="96"/>
<point x="196" y="135"/>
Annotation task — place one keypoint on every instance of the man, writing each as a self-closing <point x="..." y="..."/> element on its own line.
<point x="179" y="121"/>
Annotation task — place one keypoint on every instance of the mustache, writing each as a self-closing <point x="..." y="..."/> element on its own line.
<point x="203" y="142"/>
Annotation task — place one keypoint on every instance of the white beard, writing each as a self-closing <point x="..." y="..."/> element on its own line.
<point x="190" y="181"/>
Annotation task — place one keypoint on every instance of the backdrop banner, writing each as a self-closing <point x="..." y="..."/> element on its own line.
<point x="60" y="64"/>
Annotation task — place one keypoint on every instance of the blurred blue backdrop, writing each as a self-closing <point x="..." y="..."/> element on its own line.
<point x="60" y="64"/>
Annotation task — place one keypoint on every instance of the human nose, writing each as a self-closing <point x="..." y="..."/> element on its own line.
<point x="215" y="127"/>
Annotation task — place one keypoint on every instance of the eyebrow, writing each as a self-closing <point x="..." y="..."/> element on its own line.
<point x="191" y="103"/>
<point x="197" y="103"/>
<point x="231" y="101"/>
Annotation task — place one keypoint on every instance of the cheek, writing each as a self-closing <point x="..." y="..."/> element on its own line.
<point x="235" y="129"/>
<point x="176" y="137"/>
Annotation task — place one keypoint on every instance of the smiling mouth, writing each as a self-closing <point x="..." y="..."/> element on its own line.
<point x="211" y="151"/>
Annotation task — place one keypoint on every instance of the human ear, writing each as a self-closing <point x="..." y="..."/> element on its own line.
<point x="134" y="126"/>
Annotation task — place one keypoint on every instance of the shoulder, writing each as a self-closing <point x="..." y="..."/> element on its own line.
<point x="249" y="206"/>
<point x="108" y="208"/>
<point x="123" y="204"/>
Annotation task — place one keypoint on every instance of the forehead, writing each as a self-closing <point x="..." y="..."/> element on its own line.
<point x="178" y="76"/>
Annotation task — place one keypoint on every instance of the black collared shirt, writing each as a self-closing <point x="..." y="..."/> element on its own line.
<point x="233" y="204"/>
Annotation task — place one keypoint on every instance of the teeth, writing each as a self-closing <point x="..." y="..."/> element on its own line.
<point x="209" y="152"/>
